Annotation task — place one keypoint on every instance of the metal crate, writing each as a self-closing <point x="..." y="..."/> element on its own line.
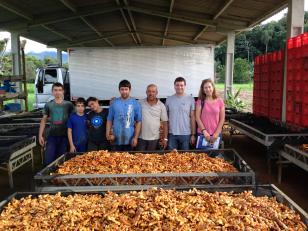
<point x="257" y="190"/>
<point x="292" y="154"/>
<point x="273" y="142"/>
<point x="17" y="129"/>
<point x="16" y="152"/>
<point x="44" y="181"/>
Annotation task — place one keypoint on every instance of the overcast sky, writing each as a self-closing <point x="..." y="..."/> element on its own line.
<point x="36" y="47"/>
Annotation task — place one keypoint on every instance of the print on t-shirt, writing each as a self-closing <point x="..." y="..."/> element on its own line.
<point x="96" y="121"/>
<point x="57" y="115"/>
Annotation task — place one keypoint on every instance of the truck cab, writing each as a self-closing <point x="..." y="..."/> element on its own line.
<point x="44" y="79"/>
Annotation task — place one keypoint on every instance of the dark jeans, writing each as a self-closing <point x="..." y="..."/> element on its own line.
<point x="100" y="146"/>
<point x="122" y="148"/>
<point x="55" y="147"/>
<point x="147" y="145"/>
<point x="179" y="142"/>
<point x="81" y="147"/>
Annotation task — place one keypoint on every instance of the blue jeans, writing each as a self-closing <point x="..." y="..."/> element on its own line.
<point x="122" y="148"/>
<point x="55" y="147"/>
<point x="81" y="147"/>
<point x="179" y="142"/>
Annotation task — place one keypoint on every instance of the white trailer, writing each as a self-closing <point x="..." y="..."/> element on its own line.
<point x="98" y="71"/>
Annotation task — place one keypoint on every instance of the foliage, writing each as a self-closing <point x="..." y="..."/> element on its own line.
<point x="234" y="101"/>
<point x="242" y="72"/>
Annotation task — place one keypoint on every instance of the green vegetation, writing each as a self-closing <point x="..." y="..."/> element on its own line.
<point x="234" y="101"/>
<point x="245" y="86"/>
<point x="31" y="95"/>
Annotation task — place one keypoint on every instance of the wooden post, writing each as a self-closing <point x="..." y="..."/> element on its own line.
<point x="24" y="78"/>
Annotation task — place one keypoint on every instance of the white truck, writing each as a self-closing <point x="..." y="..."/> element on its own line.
<point x="98" y="71"/>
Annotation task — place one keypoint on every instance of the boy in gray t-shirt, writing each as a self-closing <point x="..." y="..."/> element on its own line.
<point x="181" y="113"/>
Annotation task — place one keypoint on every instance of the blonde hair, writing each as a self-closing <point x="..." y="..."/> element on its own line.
<point x="202" y="95"/>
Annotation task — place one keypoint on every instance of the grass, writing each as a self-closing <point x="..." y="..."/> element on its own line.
<point x="31" y="95"/>
<point x="236" y="86"/>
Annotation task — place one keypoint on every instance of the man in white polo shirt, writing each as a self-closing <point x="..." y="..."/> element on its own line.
<point x="153" y="113"/>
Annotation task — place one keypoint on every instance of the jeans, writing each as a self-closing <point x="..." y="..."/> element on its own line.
<point x="122" y="148"/>
<point x="96" y="147"/>
<point x="55" y="147"/>
<point x="179" y="142"/>
<point x="147" y="145"/>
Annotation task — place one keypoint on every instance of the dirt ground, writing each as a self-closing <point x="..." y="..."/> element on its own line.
<point x="294" y="179"/>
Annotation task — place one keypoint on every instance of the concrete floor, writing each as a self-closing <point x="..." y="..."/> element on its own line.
<point x="294" y="179"/>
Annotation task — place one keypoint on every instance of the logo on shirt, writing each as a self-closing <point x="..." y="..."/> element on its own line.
<point x="96" y="121"/>
<point x="128" y="116"/>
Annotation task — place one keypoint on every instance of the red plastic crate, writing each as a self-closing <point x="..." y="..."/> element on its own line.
<point x="257" y="60"/>
<point x="298" y="63"/>
<point x="277" y="95"/>
<point x="305" y="61"/>
<point x="305" y="109"/>
<point x="297" y="76"/>
<point x="304" y="120"/>
<point x="298" y="44"/>
<point x="275" y="113"/>
<point x="305" y="44"/>
<point x="298" y="96"/>
<point x="276" y="85"/>
<point x="290" y="65"/>
<point x="304" y="99"/>
<point x="290" y="106"/>
<point x="305" y="75"/>
<point x="289" y="117"/>
<point x="304" y="87"/>
<point x="297" y="119"/>
<point x="290" y="75"/>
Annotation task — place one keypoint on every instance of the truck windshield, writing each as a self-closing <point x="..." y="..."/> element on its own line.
<point x="50" y="76"/>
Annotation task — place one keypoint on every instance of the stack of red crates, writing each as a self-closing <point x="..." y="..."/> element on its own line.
<point x="276" y="85"/>
<point x="268" y="85"/>
<point x="297" y="81"/>
<point x="264" y="84"/>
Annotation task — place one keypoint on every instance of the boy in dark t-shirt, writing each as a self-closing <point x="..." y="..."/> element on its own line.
<point x="96" y="120"/>
<point x="77" y="128"/>
<point x="57" y="112"/>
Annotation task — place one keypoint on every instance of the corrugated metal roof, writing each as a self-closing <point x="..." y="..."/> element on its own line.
<point x="65" y="23"/>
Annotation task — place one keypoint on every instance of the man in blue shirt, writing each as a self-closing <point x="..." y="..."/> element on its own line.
<point x="125" y="119"/>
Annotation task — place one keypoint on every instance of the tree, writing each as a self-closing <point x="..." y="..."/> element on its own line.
<point x="266" y="36"/>
<point x="32" y="64"/>
<point x="242" y="71"/>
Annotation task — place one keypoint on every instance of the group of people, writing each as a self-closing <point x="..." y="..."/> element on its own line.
<point x="132" y="124"/>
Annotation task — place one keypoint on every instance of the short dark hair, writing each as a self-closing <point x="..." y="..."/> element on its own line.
<point x="81" y="100"/>
<point x="91" y="98"/>
<point x="57" y="84"/>
<point x="125" y="83"/>
<point x="180" y="79"/>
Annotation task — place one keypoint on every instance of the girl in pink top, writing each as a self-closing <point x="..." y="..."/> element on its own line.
<point x="211" y="117"/>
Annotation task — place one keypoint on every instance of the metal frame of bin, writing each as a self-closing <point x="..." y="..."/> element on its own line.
<point x="257" y="190"/>
<point x="238" y="127"/>
<point x="44" y="181"/>
<point x="293" y="155"/>
<point x="17" y="126"/>
<point x="19" y="158"/>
